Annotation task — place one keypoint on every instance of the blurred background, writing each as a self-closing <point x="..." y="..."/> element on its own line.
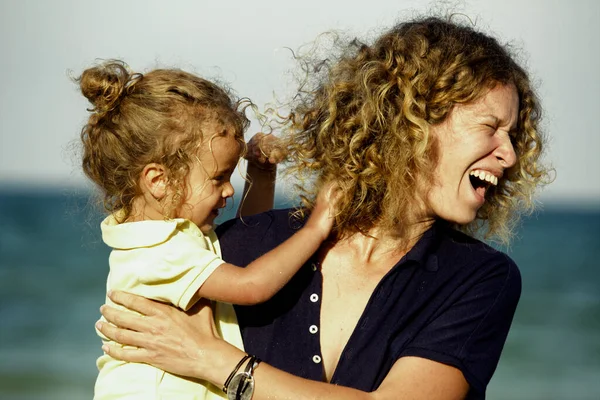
<point x="53" y="264"/>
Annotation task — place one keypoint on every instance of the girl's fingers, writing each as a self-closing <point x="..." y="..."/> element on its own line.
<point x="265" y="149"/>
<point x="276" y="156"/>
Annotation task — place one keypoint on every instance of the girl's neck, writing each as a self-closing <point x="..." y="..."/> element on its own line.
<point x="144" y="209"/>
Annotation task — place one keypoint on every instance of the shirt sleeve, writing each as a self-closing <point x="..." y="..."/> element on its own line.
<point x="170" y="272"/>
<point x="470" y="332"/>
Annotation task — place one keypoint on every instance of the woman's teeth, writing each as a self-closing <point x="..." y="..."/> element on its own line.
<point x="485" y="176"/>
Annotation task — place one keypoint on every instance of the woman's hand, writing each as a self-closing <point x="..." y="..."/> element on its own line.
<point x="183" y="343"/>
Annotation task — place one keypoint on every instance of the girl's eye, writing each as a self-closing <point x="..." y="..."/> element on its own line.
<point x="219" y="178"/>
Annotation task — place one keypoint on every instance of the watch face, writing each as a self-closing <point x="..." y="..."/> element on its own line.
<point x="241" y="387"/>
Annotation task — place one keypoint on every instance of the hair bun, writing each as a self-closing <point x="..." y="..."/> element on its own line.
<point x="104" y="84"/>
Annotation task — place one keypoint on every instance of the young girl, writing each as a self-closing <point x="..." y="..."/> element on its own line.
<point x="162" y="148"/>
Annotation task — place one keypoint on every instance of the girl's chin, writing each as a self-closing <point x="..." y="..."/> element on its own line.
<point x="205" y="228"/>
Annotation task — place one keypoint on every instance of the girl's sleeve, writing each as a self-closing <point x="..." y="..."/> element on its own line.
<point x="171" y="272"/>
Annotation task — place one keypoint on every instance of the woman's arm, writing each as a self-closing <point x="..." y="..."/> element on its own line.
<point x="410" y="378"/>
<point x="186" y="344"/>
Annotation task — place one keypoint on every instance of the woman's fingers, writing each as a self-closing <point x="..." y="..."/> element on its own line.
<point x="124" y="319"/>
<point x="183" y="343"/>
<point x="122" y="336"/>
<point x="137" y="303"/>
<point x="126" y="354"/>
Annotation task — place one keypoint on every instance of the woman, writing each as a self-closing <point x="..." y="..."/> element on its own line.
<point x="429" y="131"/>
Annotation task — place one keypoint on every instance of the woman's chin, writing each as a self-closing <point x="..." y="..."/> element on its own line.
<point x="461" y="215"/>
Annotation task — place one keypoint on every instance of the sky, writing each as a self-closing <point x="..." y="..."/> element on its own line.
<point x="243" y="43"/>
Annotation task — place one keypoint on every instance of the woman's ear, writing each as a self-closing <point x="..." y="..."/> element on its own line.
<point x="154" y="179"/>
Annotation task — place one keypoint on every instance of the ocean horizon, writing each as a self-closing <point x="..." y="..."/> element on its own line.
<point x="53" y="269"/>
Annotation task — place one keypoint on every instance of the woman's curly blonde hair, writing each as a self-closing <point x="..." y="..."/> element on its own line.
<point x="362" y="121"/>
<point x="151" y="118"/>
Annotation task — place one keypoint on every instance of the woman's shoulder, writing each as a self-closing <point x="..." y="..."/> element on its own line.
<point x="256" y="234"/>
<point x="466" y="258"/>
<point x="460" y="245"/>
<point x="470" y="289"/>
<point x="278" y="219"/>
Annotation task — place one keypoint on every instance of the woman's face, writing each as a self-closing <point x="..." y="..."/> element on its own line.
<point x="475" y="149"/>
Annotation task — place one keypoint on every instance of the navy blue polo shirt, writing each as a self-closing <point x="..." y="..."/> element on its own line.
<point x="451" y="299"/>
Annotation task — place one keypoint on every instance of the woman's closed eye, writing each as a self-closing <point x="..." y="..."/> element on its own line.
<point x="513" y="135"/>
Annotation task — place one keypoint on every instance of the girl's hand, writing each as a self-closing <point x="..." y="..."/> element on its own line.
<point x="322" y="216"/>
<point x="182" y="343"/>
<point x="265" y="151"/>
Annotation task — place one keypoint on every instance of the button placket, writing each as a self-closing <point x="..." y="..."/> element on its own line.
<point x="313" y="329"/>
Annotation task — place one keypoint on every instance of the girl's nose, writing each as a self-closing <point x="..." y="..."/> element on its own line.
<point x="228" y="190"/>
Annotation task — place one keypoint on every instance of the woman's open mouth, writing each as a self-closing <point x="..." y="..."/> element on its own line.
<point x="481" y="180"/>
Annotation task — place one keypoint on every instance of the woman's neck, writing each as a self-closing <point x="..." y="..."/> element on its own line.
<point x="377" y="244"/>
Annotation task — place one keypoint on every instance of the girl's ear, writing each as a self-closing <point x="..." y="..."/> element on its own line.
<point x="154" y="178"/>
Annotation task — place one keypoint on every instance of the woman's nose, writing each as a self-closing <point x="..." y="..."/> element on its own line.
<point x="505" y="153"/>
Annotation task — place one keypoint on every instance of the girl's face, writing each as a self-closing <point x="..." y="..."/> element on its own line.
<point x="474" y="151"/>
<point x="208" y="183"/>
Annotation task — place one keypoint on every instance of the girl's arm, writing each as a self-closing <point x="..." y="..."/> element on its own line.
<point x="259" y="190"/>
<point x="186" y="344"/>
<point x="265" y="276"/>
<point x="264" y="153"/>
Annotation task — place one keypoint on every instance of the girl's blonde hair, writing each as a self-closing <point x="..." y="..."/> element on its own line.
<point x="365" y="124"/>
<point x="154" y="117"/>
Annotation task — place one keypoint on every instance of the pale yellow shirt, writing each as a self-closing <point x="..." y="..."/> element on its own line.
<point x="166" y="261"/>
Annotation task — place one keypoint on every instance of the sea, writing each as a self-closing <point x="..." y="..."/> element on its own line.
<point x="53" y="268"/>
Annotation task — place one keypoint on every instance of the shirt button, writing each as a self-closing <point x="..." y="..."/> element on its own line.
<point x="314" y="297"/>
<point x="313" y="329"/>
<point x="316" y="359"/>
<point x="314" y="267"/>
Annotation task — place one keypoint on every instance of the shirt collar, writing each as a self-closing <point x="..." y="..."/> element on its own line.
<point x="131" y="235"/>
<point x="425" y="250"/>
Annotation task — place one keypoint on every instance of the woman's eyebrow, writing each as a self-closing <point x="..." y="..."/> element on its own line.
<point x="499" y="121"/>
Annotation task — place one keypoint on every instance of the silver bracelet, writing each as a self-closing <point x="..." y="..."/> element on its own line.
<point x="240" y="385"/>
<point x="232" y="374"/>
